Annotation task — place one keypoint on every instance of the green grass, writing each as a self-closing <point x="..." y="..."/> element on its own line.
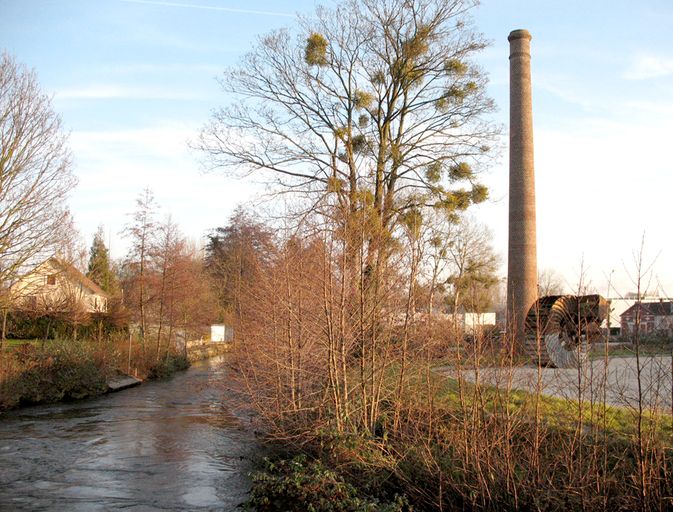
<point x="16" y="343"/>
<point x="554" y="412"/>
<point x="646" y="350"/>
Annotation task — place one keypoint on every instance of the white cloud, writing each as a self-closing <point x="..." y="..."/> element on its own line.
<point x="567" y="89"/>
<point x="114" y="166"/>
<point x="122" y="92"/>
<point x="644" y="67"/>
<point x="649" y="107"/>
<point x="161" y="142"/>
<point x="175" y="67"/>
<point x="599" y="185"/>
<point x="94" y="92"/>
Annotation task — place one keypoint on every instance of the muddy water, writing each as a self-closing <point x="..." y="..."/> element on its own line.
<point x="169" y="445"/>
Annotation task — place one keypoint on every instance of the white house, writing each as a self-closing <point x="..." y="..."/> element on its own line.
<point x="57" y="286"/>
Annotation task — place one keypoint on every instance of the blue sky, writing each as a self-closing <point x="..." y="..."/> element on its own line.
<point x="134" y="80"/>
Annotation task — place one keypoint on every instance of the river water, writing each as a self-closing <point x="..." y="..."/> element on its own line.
<point x="171" y="445"/>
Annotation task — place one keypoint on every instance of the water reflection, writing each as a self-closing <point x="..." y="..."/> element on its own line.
<point x="162" y="446"/>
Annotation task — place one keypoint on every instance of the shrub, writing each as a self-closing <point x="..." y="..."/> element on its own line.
<point x="167" y="366"/>
<point x="63" y="371"/>
<point x="308" y="486"/>
<point x="22" y="325"/>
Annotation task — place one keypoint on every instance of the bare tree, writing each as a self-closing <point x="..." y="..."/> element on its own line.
<point x="550" y="282"/>
<point x="182" y="297"/>
<point x="35" y="175"/>
<point x="191" y="301"/>
<point x="473" y="265"/>
<point x="231" y="258"/>
<point x="141" y="232"/>
<point x="373" y="111"/>
<point x="375" y="105"/>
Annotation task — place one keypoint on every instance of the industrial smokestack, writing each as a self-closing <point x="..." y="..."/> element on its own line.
<point x="522" y="253"/>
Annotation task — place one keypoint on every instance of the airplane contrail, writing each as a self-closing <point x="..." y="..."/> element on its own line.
<point x="209" y="7"/>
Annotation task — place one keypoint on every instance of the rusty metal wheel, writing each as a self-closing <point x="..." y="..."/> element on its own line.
<point x="559" y="327"/>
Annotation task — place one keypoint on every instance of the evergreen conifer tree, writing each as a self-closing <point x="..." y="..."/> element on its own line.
<point x="100" y="270"/>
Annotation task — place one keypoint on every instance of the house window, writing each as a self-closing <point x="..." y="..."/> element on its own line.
<point x="51" y="279"/>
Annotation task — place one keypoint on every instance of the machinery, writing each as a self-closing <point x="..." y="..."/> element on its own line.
<point x="559" y="328"/>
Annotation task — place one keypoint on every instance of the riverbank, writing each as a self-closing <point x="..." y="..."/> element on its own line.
<point x="201" y="350"/>
<point x="466" y="446"/>
<point x="66" y="370"/>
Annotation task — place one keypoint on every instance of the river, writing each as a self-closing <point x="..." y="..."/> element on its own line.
<point x="169" y="445"/>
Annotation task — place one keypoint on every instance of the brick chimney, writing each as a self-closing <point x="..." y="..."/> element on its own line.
<point x="522" y="289"/>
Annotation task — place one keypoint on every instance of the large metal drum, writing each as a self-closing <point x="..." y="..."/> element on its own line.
<point x="559" y="329"/>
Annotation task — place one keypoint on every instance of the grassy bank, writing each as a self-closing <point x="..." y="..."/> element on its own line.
<point x="58" y="370"/>
<point x="458" y="446"/>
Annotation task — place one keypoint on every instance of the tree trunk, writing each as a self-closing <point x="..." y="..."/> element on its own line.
<point x="3" y="337"/>
<point x="46" y="334"/>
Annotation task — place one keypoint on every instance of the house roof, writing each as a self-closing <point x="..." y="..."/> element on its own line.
<point x="660" y="308"/>
<point x="77" y="276"/>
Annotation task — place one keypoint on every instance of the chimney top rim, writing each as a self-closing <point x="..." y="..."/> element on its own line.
<point x="519" y="34"/>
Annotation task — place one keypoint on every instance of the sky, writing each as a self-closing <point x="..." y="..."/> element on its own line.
<point x="135" y="80"/>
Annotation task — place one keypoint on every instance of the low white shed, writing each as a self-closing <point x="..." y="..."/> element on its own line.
<point x="221" y="333"/>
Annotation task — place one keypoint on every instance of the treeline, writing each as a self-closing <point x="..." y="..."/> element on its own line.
<point x="306" y="310"/>
<point x="335" y="351"/>
<point x="164" y="285"/>
<point x="338" y="355"/>
<point x="159" y="293"/>
<point x="373" y="119"/>
<point x="159" y="296"/>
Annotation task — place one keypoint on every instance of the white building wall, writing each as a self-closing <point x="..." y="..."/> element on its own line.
<point x="220" y="333"/>
<point x="51" y="288"/>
